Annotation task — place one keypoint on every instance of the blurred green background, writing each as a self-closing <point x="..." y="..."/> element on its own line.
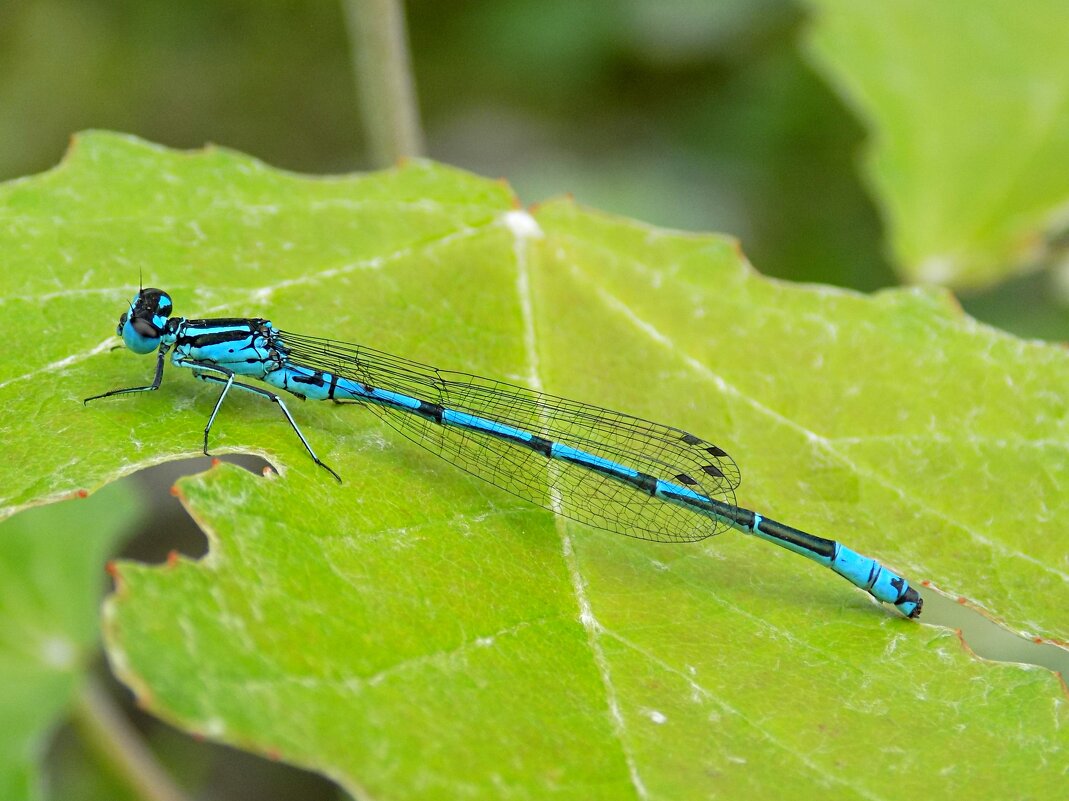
<point x="690" y="114"/>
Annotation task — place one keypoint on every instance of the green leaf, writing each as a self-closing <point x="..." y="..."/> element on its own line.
<point x="968" y="108"/>
<point x="51" y="581"/>
<point x="416" y="633"/>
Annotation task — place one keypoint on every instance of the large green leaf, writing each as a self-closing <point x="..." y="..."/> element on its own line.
<point x="415" y="633"/>
<point x="968" y="107"/>
<point x="51" y="582"/>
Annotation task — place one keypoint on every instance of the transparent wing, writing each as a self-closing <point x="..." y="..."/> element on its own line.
<point x="566" y="488"/>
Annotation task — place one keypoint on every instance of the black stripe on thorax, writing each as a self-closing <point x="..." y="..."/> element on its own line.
<point x="226" y="322"/>
<point x="214" y="338"/>
<point x="315" y="379"/>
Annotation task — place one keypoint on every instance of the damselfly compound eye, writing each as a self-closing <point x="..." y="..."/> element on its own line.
<point x="144" y="327"/>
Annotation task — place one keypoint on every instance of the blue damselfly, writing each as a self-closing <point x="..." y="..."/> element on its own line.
<point x="603" y="468"/>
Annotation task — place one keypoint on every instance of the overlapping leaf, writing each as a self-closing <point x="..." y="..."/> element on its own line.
<point x="51" y="582"/>
<point x="968" y="110"/>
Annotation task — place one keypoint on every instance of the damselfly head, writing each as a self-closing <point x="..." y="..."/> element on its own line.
<point x="143" y="325"/>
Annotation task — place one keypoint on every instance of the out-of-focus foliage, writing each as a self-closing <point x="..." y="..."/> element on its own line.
<point x="968" y="106"/>
<point x="51" y="582"/>
<point x="273" y="76"/>
<point x="680" y="112"/>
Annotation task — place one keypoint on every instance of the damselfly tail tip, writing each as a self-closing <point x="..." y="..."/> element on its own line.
<point x="910" y="604"/>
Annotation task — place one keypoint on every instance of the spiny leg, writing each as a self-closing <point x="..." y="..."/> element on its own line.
<point x="150" y="388"/>
<point x="229" y="381"/>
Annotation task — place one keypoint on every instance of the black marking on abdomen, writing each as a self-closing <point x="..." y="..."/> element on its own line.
<point x="811" y="542"/>
<point x="730" y="513"/>
<point x="541" y="445"/>
<point x="644" y="482"/>
<point x="745" y="518"/>
<point x="431" y="411"/>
